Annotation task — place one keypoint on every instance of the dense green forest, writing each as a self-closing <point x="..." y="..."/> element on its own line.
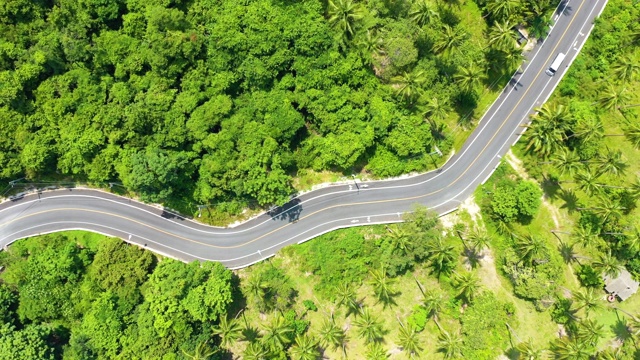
<point x="215" y="101"/>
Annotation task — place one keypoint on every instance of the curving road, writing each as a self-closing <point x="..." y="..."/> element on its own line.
<point x="327" y="209"/>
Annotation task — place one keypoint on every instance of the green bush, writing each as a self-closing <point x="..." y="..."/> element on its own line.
<point x="418" y="318"/>
<point x="483" y="327"/>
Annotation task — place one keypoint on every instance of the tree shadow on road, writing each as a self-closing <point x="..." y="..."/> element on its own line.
<point x="289" y="212"/>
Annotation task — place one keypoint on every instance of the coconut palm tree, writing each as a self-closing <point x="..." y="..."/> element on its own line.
<point x="611" y="163"/>
<point x="479" y="239"/>
<point x="331" y="335"/>
<point x="567" y="161"/>
<point x="547" y="130"/>
<point x="588" y="182"/>
<point x="370" y="44"/>
<point x="304" y="348"/>
<point x="626" y="68"/>
<point x="256" y="351"/>
<point x="229" y="331"/>
<point x="611" y="354"/>
<point x="441" y="255"/>
<point x="590" y="332"/>
<point x="450" y="345"/>
<point x="409" y="84"/>
<point x="408" y="339"/>
<point x="466" y="284"/>
<point x="369" y="327"/>
<point x="608" y="208"/>
<point x="469" y="78"/>
<point x="432" y="300"/>
<point x="607" y="264"/>
<point x="503" y="10"/>
<point x="201" y="352"/>
<point x="375" y="351"/>
<point x="570" y="349"/>
<point x="588" y="129"/>
<point x="382" y="286"/>
<point x="451" y="37"/>
<point x="613" y="98"/>
<point x="346" y="296"/>
<point x="587" y="299"/>
<point x="401" y="241"/>
<point x="526" y="351"/>
<point x="530" y="249"/>
<point x="632" y="132"/>
<point x="436" y="109"/>
<point x="584" y="236"/>
<point x="255" y="289"/>
<point x="502" y="36"/>
<point x="344" y="15"/>
<point x="277" y="334"/>
<point x="422" y="13"/>
<point x="632" y="239"/>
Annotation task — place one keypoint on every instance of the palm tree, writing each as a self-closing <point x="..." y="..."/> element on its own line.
<point x="382" y="286"/>
<point x="201" y="352"/>
<point x="255" y="289"/>
<point x="611" y="354"/>
<point x="570" y="349"/>
<point x="527" y="351"/>
<point x="611" y="163"/>
<point x="567" y="161"/>
<point x="451" y="37"/>
<point x="503" y="10"/>
<point x="277" y="333"/>
<point x="408" y="339"/>
<point x="479" y="239"/>
<point x="466" y="284"/>
<point x="256" y="351"/>
<point x="370" y="44"/>
<point x="441" y="255"/>
<point x="626" y="68"/>
<point x="344" y="15"/>
<point x="375" y="351"/>
<point x="590" y="332"/>
<point x="632" y="132"/>
<point x="469" y="78"/>
<point x="632" y="239"/>
<point x="304" y="348"/>
<point x="613" y="98"/>
<point x="422" y="13"/>
<point x="530" y="249"/>
<point x="432" y="300"/>
<point x="587" y="299"/>
<point x="346" y="296"/>
<point x="436" y="109"/>
<point x="502" y="36"/>
<point x="584" y="236"/>
<point x="331" y="335"/>
<point x="400" y="239"/>
<point x="450" y="345"/>
<point x="409" y="84"/>
<point x="589" y="129"/>
<point x="607" y="264"/>
<point x="229" y="331"/>
<point x="547" y="129"/>
<point x="608" y="208"/>
<point x="588" y="182"/>
<point x="369" y="327"/>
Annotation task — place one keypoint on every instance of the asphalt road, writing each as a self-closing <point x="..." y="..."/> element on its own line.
<point x="327" y="209"/>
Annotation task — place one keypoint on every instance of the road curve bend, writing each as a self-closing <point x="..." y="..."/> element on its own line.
<point x="323" y="210"/>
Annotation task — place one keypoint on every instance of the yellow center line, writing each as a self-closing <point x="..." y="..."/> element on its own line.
<point x="329" y="207"/>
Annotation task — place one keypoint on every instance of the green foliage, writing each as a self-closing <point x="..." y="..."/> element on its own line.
<point x="589" y="277"/>
<point x="534" y="282"/>
<point x="309" y="305"/>
<point x="513" y="200"/>
<point x="28" y="343"/>
<point x="418" y="318"/>
<point x="483" y="327"/>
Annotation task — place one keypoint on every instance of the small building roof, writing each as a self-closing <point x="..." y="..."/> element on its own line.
<point x="623" y="286"/>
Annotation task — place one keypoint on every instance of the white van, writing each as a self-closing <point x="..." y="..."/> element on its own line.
<point x="555" y="65"/>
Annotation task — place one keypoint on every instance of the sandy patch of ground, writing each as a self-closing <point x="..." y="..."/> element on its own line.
<point x="470" y="206"/>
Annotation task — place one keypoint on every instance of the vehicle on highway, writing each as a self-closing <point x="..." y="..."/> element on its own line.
<point x="555" y="65"/>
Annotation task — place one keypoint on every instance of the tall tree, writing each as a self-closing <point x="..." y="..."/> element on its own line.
<point x="503" y="10"/>
<point x="277" y="333"/>
<point x="344" y="15"/>
<point x="304" y="348"/>
<point x="409" y="84"/>
<point x="547" y="129"/>
<point x="607" y="264"/>
<point x="382" y="286"/>
<point x="502" y="36"/>
<point x="450" y="345"/>
<point x="450" y="38"/>
<point x="256" y="351"/>
<point x="369" y="327"/>
<point x="587" y="299"/>
<point x="422" y="13"/>
<point x="613" y="98"/>
<point x="331" y="335"/>
<point x="570" y="349"/>
<point x="375" y="351"/>
<point x="530" y="249"/>
<point x="408" y="339"/>
<point x="469" y="78"/>
<point x="229" y="331"/>
<point x="201" y="352"/>
<point x="626" y="68"/>
<point x="467" y="285"/>
<point x="441" y="255"/>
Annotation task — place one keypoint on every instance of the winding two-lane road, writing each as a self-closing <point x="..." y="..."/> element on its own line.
<point x="317" y="212"/>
